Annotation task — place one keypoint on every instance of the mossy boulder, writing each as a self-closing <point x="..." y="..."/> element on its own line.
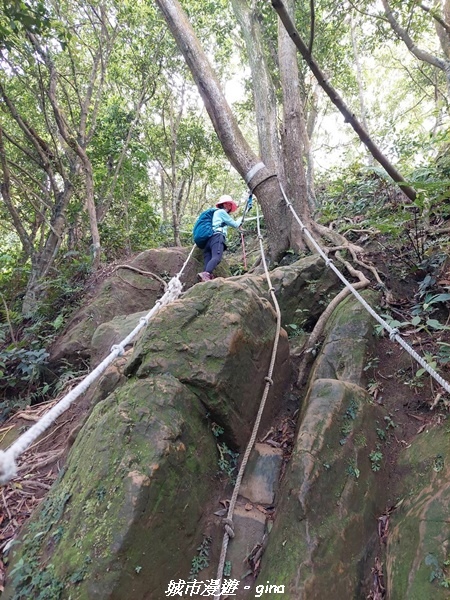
<point x="123" y="518"/>
<point x="112" y="332"/>
<point x="303" y="289"/>
<point x="218" y="340"/>
<point x="349" y="341"/>
<point x="122" y="293"/>
<point x="325" y="525"/>
<point x="418" y="551"/>
<point x="329" y="498"/>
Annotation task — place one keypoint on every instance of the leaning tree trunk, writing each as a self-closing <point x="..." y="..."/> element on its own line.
<point x="359" y="80"/>
<point x="260" y="179"/>
<point x="80" y="151"/>
<point x="41" y="258"/>
<point x="76" y="141"/>
<point x="293" y="132"/>
<point x="339" y="103"/>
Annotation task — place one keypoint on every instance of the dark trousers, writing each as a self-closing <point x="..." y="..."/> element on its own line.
<point x="213" y="251"/>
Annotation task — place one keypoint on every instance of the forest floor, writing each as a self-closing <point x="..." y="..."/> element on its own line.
<point x="412" y="404"/>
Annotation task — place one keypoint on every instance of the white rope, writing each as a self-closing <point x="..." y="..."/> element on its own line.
<point x="228" y="521"/>
<point x="393" y="333"/>
<point x="8" y="466"/>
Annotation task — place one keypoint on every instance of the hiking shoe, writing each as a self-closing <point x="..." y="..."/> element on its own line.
<point x="205" y="276"/>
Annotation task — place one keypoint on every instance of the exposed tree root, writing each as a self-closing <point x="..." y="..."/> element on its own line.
<point x="358" y="261"/>
<point x="308" y="353"/>
<point x="50" y="459"/>
<point x="141" y="272"/>
<point x="335" y="238"/>
<point x="341" y="243"/>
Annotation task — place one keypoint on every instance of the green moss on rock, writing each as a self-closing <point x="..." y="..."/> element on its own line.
<point x="331" y="494"/>
<point x="122" y="520"/>
<point x="218" y="341"/>
<point x="418" y="545"/>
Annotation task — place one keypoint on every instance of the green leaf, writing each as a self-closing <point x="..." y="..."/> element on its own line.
<point x="434" y="324"/>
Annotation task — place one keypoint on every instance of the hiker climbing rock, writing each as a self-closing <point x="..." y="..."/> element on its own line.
<point x="210" y="233"/>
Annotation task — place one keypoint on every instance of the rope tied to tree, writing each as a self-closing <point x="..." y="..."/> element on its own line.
<point x="8" y="465"/>
<point x="269" y="382"/>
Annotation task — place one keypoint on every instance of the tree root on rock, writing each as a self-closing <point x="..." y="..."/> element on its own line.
<point x="308" y="353"/>
<point x="378" y="591"/>
<point x="141" y="272"/>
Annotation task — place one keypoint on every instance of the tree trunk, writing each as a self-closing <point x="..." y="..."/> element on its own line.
<point x="339" y="103"/>
<point x="77" y="140"/>
<point x="262" y="86"/>
<point x="41" y="262"/>
<point x="5" y="190"/>
<point x="177" y="193"/>
<point x="443" y="32"/>
<point x="261" y="180"/>
<point x="293" y="132"/>
<point x="90" y="206"/>
<point x="41" y="258"/>
<point x="310" y="126"/>
<point x="107" y="196"/>
<point x="80" y="151"/>
<point x="162" y="187"/>
<point x="359" y="80"/>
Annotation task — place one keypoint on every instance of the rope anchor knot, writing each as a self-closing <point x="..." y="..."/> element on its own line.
<point x="229" y="527"/>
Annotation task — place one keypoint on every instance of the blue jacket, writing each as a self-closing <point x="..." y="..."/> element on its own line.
<point x="221" y="216"/>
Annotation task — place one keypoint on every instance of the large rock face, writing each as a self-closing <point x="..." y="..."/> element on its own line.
<point x="330" y="494"/>
<point x="303" y="289"/>
<point x="125" y="517"/>
<point x="217" y="340"/>
<point x="418" y="545"/>
<point x="123" y="293"/>
<point x="130" y="508"/>
<point x="344" y="353"/>
<point x="121" y="521"/>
